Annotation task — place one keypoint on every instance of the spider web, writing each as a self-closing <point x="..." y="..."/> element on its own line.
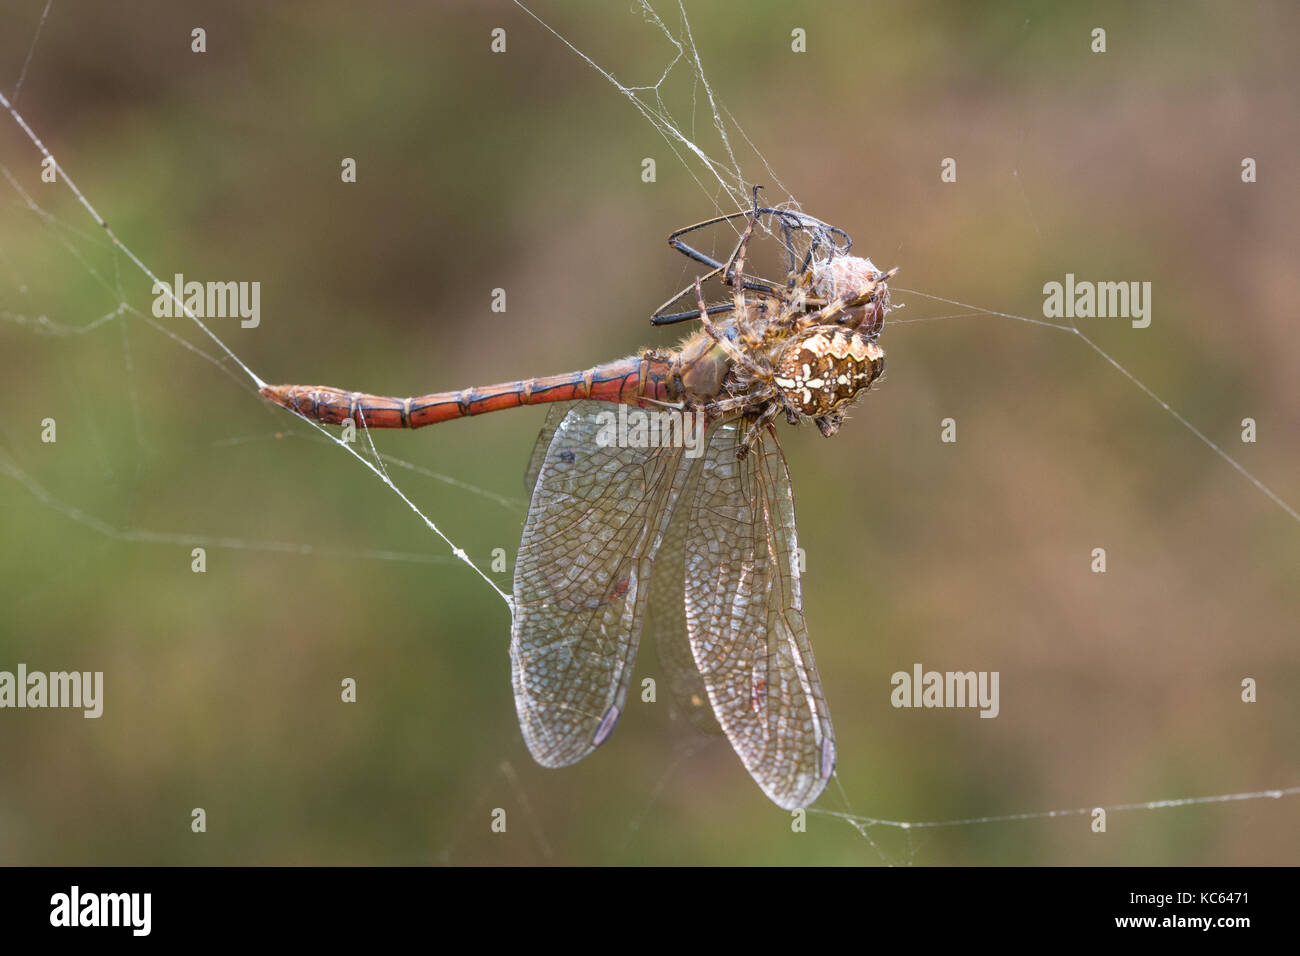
<point x="718" y="170"/>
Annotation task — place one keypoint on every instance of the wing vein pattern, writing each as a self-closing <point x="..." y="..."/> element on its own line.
<point x="596" y="520"/>
<point x="744" y="617"/>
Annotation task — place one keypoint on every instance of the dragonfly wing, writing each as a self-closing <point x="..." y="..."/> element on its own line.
<point x="666" y="619"/>
<point x="555" y="414"/>
<point x="744" y="613"/>
<point x="582" y="577"/>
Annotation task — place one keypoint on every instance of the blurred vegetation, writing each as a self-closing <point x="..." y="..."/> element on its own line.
<point x="522" y="171"/>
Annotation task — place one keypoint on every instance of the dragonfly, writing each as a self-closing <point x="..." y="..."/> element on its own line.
<point x="693" y="545"/>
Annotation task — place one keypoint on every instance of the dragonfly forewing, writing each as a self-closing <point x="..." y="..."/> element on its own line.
<point x="744" y="614"/>
<point x="597" y="517"/>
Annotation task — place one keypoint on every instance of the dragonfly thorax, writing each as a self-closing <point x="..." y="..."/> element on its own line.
<point x="823" y="369"/>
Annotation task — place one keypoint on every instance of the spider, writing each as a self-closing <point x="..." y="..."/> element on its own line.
<point x="807" y="350"/>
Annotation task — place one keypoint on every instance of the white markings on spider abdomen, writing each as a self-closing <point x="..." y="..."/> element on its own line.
<point x="824" y="369"/>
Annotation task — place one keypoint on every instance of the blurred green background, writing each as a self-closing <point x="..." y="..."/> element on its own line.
<point x="523" y="171"/>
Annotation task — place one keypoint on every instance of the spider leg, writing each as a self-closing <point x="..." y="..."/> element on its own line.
<point x="723" y="406"/>
<point x="734" y="276"/>
<point x="732" y="403"/>
<point x="754" y="429"/>
<point x="736" y="270"/>
<point x="827" y="313"/>
<point x="736" y="264"/>
<point x="728" y="346"/>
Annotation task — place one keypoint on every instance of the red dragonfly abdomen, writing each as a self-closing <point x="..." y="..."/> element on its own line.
<point x="637" y="380"/>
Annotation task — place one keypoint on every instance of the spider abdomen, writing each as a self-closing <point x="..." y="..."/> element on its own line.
<point x="825" y="368"/>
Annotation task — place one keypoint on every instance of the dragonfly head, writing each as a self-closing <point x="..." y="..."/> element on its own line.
<point x="857" y="281"/>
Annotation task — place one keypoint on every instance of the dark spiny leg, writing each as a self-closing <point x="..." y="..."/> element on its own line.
<point x="685" y="249"/>
<point x="661" y="317"/>
<point x="796" y="219"/>
<point x="755" y="428"/>
<point x="788" y="241"/>
<point x="817" y="229"/>
<point x="693" y="253"/>
<point x="848" y="241"/>
<point x="813" y="244"/>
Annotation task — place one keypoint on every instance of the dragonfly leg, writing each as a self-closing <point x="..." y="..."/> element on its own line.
<point x="789" y="221"/>
<point x="689" y="251"/>
<point x="675" y="406"/>
<point x="661" y="315"/>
